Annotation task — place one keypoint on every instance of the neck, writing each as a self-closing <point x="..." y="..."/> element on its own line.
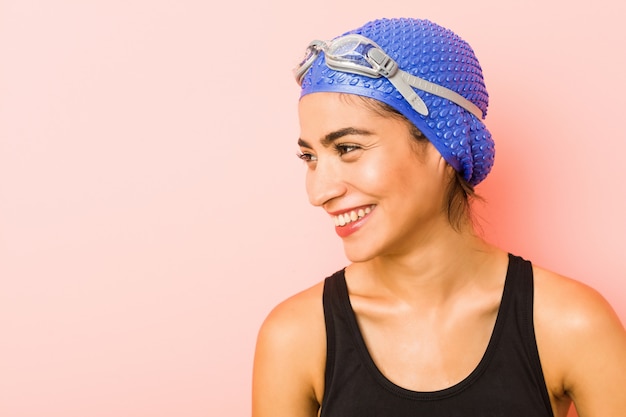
<point x="444" y="263"/>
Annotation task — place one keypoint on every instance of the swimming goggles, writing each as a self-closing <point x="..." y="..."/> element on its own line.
<point x="357" y="54"/>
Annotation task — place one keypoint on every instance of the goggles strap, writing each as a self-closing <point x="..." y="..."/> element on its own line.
<point x="437" y="90"/>
<point x="404" y="88"/>
<point x="388" y="68"/>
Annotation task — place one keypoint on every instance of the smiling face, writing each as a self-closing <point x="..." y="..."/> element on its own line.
<point x="384" y="191"/>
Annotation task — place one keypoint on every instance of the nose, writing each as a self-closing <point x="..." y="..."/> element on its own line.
<point x="324" y="183"/>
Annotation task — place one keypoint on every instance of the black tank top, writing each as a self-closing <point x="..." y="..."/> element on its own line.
<point x="508" y="381"/>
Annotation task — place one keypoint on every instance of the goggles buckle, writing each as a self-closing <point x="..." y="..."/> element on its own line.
<point x="382" y="63"/>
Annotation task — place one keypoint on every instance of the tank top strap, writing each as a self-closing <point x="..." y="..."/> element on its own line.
<point x="520" y="328"/>
<point x="335" y="296"/>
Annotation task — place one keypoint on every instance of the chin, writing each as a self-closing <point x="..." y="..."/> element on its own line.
<point x="358" y="253"/>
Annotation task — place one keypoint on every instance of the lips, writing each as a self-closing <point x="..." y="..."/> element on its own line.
<point x="350" y="221"/>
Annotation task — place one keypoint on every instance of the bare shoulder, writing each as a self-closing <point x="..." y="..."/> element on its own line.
<point x="296" y="322"/>
<point x="571" y="306"/>
<point x="579" y="306"/>
<point x="290" y="357"/>
<point x="582" y="345"/>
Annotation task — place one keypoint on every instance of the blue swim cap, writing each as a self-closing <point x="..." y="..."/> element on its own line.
<point x="436" y="54"/>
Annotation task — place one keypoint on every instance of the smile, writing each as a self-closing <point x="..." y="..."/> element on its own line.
<point x="351" y="216"/>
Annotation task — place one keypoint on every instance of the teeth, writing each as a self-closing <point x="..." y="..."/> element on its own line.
<point x="345" y="218"/>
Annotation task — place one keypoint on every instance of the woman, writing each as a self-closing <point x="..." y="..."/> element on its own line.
<point x="428" y="319"/>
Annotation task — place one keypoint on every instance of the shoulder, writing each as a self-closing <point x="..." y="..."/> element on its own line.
<point x="577" y="304"/>
<point x="295" y="320"/>
<point x="581" y="342"/>
<point x="290" y="357"/>
<point x="571" y="306"/>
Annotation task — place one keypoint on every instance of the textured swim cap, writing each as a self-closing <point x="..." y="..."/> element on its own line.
<point x="436" y="54"/>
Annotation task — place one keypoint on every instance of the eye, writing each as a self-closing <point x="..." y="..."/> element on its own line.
<point x="343" y="149"/>
<point x="306" y="156"/>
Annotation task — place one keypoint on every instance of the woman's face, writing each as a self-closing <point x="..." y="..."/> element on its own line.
<point x="383" y="190"/>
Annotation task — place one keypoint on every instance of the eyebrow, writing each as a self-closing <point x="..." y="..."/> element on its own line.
<point x="329" y="138"/>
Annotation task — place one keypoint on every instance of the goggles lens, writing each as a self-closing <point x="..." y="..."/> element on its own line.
<point x="348" y="54"/>
<point x="350" y="50"/>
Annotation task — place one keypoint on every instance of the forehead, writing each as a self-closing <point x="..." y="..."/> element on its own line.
<point x="323" y="112"/>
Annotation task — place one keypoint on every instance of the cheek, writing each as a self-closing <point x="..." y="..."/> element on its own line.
<point x="386" y="175"/>
<point x="374" y="176"/>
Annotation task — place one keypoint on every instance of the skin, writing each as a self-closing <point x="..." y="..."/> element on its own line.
<point x="401" y="268"/>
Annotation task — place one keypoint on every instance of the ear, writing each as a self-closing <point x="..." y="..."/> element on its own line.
<point x="444" y="168"/>
<point x="434" y="158"/>
<point x="450" y="171"/>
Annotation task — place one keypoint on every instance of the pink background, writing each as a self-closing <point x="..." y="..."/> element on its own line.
<point x="152" y="210"/>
